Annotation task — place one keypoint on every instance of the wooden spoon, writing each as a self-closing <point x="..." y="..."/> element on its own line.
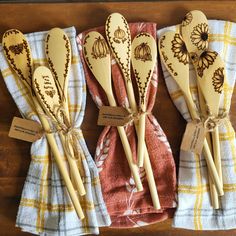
<point x="99" y="62"/>
<point x="119" y="39"/>
<point x="175" y="58"/>
<point x="144" y="54"/>
<point x="196" y="37"/>
<point x="18" y="54"/>
<point x="58" y="53"/>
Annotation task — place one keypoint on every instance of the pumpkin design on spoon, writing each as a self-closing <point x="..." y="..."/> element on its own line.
<point x="100" y="48"/>
<point x="119" y="35"/>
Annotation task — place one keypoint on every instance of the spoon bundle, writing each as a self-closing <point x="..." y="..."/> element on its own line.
<point x="119" y="39"/>
<point x="58" y="53"/>
<point x="177" y="63"/>
<point x="100" y="66"/>
<point x="18" y="54"/>
<point x="209" y="69"/>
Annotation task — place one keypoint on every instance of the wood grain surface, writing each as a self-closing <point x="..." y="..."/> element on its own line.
<point x="14" y="154"/>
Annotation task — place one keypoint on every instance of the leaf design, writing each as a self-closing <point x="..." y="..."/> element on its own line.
<point x="97" y="100"/>
<point x="160" y="134"/>
<point x="102" y="151"/>
<point x="130" y="185"/>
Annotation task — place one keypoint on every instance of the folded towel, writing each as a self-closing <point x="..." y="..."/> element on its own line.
<point x="126" y="206"/>
<point x="194" y="207"/>
<point x="45" y="207"/>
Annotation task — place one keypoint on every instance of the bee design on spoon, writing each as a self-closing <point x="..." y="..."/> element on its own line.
<point x="17" y="49"/>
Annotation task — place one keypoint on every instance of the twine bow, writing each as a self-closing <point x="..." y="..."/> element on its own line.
<point x="210" y="122"/>
<point x="135" y="116"/>
<point x="71" y="133"/>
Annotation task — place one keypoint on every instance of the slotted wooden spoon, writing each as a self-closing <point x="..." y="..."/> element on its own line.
<point x="58" y="53"/>
<point x="100" y="66"/>
<point x="18" y="54"/>
<point x="207" y="64"/>
<point x="119" y="40"/>
<point x="175" y="58"/>
<point x="143" y="58"/>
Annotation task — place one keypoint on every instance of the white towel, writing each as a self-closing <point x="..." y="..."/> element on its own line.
<point x="45" y="206"/>
<point x="194" y="208"/>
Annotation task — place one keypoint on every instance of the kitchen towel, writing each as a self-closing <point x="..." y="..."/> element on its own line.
<point x="126" y="206"/>
<point x="194" y="209"/>
<point x="45" y="207"/>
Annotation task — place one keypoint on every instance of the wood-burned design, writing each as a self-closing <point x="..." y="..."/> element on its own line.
<point x="199" y="36"/>
<point x="9" y="32"/>
<point x="119" y="35"/>
<point x="218" y="79"/>
<point x="68" y="56"/>
<point x="142" y="87"/>
<point x="143" y="52"/>
<point x="179" y="49"/>
<point x="100" y="48"/>
<point x="44" y="100"/>
<point x="187" y="19"/>
<point x="11" y="60"/>
<point x="206" y="59"/>
<point x="17" y="49"/>
<point x="48" y="87"/>
<point x="123" y="63"/>
<point x="51" y="93"/>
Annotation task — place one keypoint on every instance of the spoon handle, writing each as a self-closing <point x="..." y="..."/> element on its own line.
<point x="212" y="169"/>
<point x="141" y="139"/>
<point x="76" y="177"/>
<point x="147" y="163"/>
<point x="128" y="152"/>
<point x="216" y="149"/>
<point x="213" y="191"/>
<point x="208" y="156"/>
<point x="60" y="162"/>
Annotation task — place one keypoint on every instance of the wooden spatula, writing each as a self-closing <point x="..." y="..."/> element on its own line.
<point x="174" y="55"/>
<point x="58" y="53"/>
<point x="97" y="56"/>
<point x="119" y="39"/>
<point x="18" y="54"/>
<point x="143" y="58"/>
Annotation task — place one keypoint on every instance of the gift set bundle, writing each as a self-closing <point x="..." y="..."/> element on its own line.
<point x="131" y="181"/>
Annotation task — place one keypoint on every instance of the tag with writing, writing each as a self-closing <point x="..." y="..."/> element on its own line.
<point x="113" y="116"/>
<point x="193" y="138"/>
<point x="27" y="130"/>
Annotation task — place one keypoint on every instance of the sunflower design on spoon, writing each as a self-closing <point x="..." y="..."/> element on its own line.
<point x="218" y="79"/>
<point x="179" y="49"/>
<point x="187" y="19"/>
<point x="199" y="36"/>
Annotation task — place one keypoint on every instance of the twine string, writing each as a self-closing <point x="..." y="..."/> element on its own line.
<point x="61" y="124"/>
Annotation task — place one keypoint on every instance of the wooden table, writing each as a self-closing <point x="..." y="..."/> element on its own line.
<point x="14" y="154"/>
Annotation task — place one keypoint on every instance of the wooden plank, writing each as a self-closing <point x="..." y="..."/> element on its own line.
<point x="14" y="154"/>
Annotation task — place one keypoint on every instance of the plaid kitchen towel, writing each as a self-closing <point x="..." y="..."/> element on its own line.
<point x="126" y="206"/>
<point x="45" y="207"/>
<point x="194" y="207"/>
